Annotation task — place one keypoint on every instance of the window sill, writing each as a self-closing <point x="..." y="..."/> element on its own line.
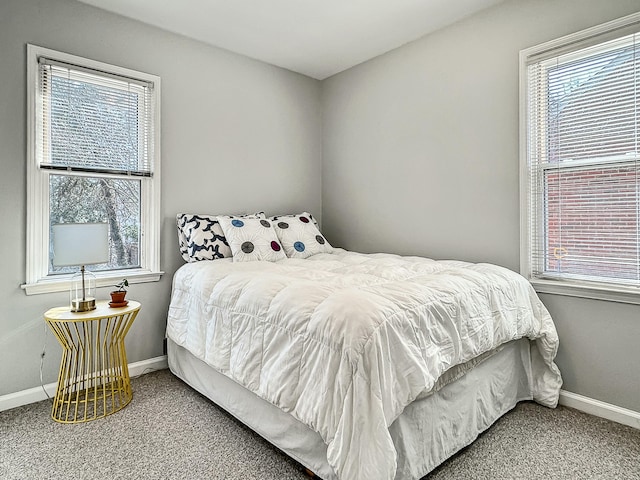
<point x="618" y="294"/>
<point x="107" y="279"/>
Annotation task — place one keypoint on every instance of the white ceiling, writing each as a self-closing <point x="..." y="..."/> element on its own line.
<point x="317" y="38"/>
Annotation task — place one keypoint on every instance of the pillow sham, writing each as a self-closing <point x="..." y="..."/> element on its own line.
<point x="251" y="239"/>
<point x="313" y="219"/>
<point x="299" y="235"/>
<point x="200" y="237"/>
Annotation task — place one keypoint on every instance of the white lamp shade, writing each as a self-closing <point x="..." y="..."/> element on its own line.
<point x="80" y="243"/>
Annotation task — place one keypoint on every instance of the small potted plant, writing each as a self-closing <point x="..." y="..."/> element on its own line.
<point x="117" y="296"/>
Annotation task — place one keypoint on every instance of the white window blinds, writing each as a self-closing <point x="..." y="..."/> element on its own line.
<point x="93" y="121"/>
<point x="583" y="158"/>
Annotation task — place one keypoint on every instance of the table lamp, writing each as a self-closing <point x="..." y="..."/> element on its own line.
<point x="81" y="244"/>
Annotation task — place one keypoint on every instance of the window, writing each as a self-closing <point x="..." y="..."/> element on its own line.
<point x="93" y="157"/>
<point x="580" y="176"/>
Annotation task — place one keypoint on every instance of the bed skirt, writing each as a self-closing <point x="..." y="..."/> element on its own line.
<point x="429" y="431"/>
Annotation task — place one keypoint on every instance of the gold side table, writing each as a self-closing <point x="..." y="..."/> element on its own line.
<point x="94" y="377"/>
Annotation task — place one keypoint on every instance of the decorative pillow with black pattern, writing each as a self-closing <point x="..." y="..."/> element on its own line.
<point x="299" y="235"/>
<point x="200" y="237"/>
<point x="251" y="239"/>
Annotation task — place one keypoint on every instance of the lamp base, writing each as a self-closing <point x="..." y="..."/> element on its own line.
<point x="86" y="305"/>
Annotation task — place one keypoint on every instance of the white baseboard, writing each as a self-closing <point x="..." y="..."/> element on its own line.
<point x="568" y="399"/>
<point x="600" y="409"/>
<point x="36" y="394"/>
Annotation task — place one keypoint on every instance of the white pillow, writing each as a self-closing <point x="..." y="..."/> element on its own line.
<point x="251" y="239"/>
<point x="300" y="236"/>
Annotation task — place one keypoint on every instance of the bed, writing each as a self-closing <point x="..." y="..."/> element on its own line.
<point x="359" y="366"/>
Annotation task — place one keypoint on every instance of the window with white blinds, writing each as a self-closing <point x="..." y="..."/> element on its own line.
<point x="580" y="175"/>
<point x="93" y="121"/>
<point x="93" y="157"/>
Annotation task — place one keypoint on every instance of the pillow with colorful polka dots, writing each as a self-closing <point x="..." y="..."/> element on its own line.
<point x="299" y="235"/>
<point x="251" y="239"/>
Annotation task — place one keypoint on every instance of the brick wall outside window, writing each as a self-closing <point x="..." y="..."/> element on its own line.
<point x="591" y="214"/>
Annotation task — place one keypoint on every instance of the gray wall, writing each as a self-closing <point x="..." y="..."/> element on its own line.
<point x="420" y="156"/>
<point x="237" y="135"/>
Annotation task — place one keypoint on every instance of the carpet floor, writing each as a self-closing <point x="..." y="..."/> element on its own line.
<point x="169" y="431"/>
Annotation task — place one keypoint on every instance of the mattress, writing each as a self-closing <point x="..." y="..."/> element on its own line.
<point x="345" y="342"/>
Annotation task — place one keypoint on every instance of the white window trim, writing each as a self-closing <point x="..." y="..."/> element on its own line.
<point x="565" y="286"/>
<point x="37" y="253"/>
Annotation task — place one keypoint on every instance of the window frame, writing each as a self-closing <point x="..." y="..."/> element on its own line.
<point x="564" y="285"/>
<point x="38" y="279"/>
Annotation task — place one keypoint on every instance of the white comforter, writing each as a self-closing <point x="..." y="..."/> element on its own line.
<point x="345" y="341"/>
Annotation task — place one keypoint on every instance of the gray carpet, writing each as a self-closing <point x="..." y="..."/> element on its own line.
<point x="171" y="432"/>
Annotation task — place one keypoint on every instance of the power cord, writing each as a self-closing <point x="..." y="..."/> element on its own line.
<point x="145" y="371"/>
<point x="42" y="355"/>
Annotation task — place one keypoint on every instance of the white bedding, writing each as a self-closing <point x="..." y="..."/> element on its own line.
<point x="345" y="341"/>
